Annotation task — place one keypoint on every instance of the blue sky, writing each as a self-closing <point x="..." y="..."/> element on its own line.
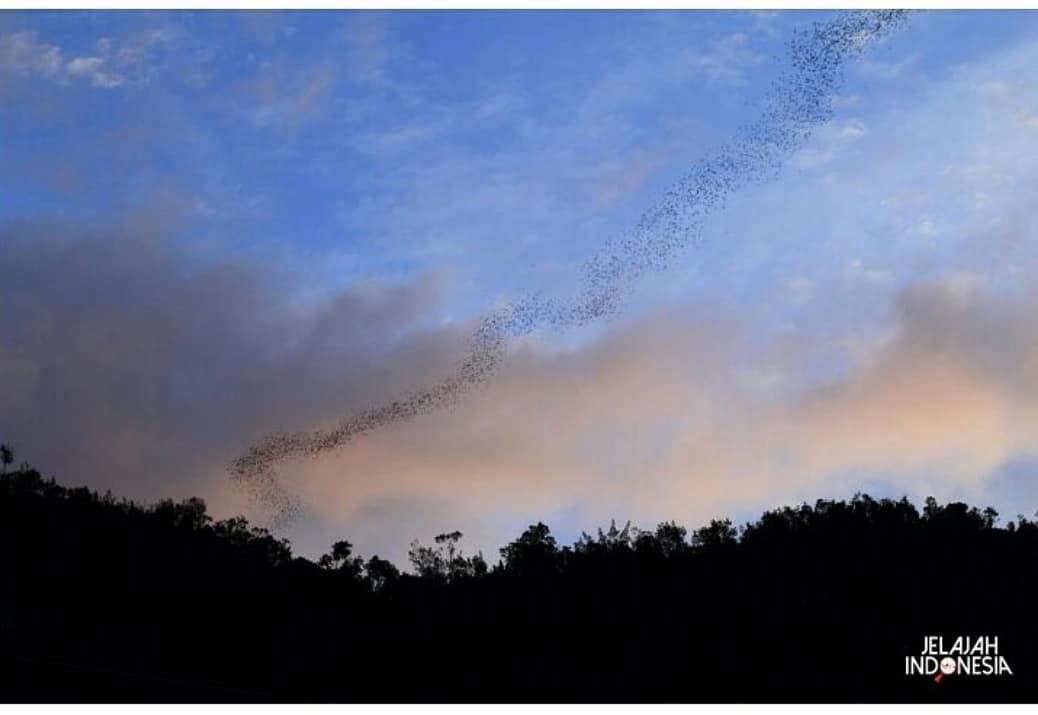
<point x="501" y="144"/>
<point x="232" y="223"/>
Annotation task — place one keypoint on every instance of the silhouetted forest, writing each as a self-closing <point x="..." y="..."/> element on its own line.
<point x="107" y="600"/>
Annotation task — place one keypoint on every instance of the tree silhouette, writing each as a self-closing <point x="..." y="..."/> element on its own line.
<point x="716" y="534"/>
<point x="107" y="599"/>
<point x="534" y="553"/>
<point x="428" y="562"/>
<point x="6" y="456"/>
<point x="667" y="540"/>
<point x="381" y="574"/>
<point x="445" y="562"/>
<point x="451" y="545"/>
<point x="342" y="561"/>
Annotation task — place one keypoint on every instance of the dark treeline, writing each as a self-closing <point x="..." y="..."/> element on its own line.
<point x="103" y="599"/>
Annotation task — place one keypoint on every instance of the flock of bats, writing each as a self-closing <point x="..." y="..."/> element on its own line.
<point x="799" y="100"/>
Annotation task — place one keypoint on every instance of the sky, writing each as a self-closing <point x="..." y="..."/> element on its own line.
<point x="217" y="226"/>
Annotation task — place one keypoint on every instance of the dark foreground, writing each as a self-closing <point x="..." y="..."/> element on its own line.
<point x="103" y="600"/>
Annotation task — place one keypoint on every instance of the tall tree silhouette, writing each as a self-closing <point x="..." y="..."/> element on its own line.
<point x="6" y="456"/>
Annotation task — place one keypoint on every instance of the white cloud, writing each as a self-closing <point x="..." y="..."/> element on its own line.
<point x="726" y="60"/>
<point x="887" y="70"/>
<point x="800" y="289"/>
<point x="94" y="69"/>
<point x="283" y="96"/>
<point x="24" y="56"/>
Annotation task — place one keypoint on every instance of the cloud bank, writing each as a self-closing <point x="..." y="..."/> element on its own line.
<point x="140" y="366"/>
<point x="865" y="322"/>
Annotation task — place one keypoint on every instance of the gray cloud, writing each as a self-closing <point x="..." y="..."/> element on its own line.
<point x="132" y="364"/>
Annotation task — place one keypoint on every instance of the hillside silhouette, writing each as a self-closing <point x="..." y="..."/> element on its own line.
<point x="107" y="600"/>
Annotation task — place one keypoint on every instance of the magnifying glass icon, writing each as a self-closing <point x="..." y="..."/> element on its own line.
<point x="947" y="667"/>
